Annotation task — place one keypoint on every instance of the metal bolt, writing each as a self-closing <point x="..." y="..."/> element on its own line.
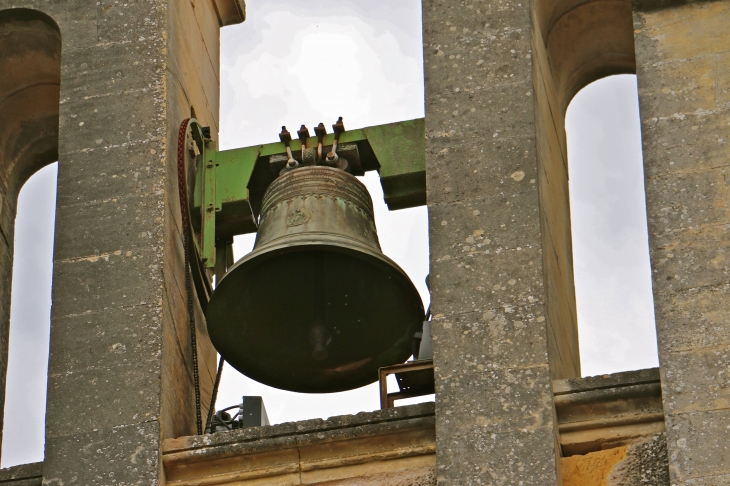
<point x="210" y="164"/>
<point x="210" y="208"/>
<point x="285" y="137"/>
<point x="303" y="134"/>
<point x="292" y="164"/>
<point x="320" y="131"/>
<point x="339" y="128"/>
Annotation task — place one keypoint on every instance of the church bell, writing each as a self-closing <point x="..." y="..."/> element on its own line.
<point x="316" y="307"/>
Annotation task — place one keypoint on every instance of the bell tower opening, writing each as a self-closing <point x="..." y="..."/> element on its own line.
<point x="29" y="107"/>
<point x="30" y="321"/>
<point x="609" y="228"/>
<point x="273" y="82"/>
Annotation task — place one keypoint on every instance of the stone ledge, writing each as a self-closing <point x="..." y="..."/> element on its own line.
<point x="602" y="412"/>
<point x="572" y="385"/>
<point x="386" y="447"/>
<point x="25" y="474"/>
<point x="299" y="428"/>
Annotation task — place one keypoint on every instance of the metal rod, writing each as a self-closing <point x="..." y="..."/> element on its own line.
<point x="339" y="128"/>
<point x="214" y="395"/>
<point x="285" y="137"/>
<point x="320" y="131"/>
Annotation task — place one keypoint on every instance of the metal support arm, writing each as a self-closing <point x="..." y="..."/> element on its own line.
<point x="230" y="184"/>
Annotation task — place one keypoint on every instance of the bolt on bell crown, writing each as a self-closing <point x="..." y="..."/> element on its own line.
<point x="316" y="307"/>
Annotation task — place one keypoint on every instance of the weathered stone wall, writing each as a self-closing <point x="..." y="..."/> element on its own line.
<point x="494" y="414"/>
<point x="393" y="447"/>
<point x="683" y="64"/>
<point x="499" y="77"/>
<point x="396" y="446"/>
<point x="120" y="377"/>
<point x="642" y="463"/>
<point x="25" y="475"/>
<point x="193" y="56"/>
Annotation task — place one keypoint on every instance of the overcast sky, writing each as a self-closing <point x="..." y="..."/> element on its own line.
<point x="296" y="62"/>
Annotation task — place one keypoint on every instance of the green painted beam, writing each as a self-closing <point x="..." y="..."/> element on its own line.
<point x="397" y="151"/>
<point x="401" y="152"/>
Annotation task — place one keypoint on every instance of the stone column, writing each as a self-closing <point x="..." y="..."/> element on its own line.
<point x="495" y="421"/>
<point x="683" y="67"/>
<point x="120" y="375"/>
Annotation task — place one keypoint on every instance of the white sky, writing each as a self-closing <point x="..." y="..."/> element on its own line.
<point x="293" y="62"/>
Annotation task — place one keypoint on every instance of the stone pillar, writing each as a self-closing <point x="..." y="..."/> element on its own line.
<point x="120" y="375"/>
<point x="495" y="420"/>
<point x="683" y="67"/>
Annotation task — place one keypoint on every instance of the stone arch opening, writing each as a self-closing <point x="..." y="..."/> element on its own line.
<point x="29" y="107"/>
<point x="609" y="228"/>
<point x="574" y="43"/>
<point x="30" y="321"/>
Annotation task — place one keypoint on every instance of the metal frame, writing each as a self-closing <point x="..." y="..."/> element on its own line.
<point x="387" y="400"/>
<point x="230" y="184"/>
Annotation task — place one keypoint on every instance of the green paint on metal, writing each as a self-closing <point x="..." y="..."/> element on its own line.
<point x="235" y="185"/>
<point x="401" y="151"/>
<point x="209" y="205"/>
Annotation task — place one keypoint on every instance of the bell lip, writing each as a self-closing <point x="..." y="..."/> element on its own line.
<point x="363" y="252"/>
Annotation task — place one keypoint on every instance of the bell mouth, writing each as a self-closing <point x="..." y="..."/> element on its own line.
<point x="316" y="315"/>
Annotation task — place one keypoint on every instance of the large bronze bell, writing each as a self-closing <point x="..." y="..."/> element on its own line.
<point x="316" y="307"/>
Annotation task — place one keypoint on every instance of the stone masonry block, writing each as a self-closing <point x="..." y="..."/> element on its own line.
<point x="723" y="80"/>
<point x="506" y="220"/>
<point x="477" y="341"/>
<point x="106" y="173"/>
<point x="477" y="455"/>
<point x="480" y="169"/>
<point x="721" y="480"/>
<point x="124" y="394"/>
<point x="130" y="21"/>
<point x="111" y="69"/>
<point x="497" y="400"/>
<point x="127" y="455"/>
<point x="698" y="380"/>
<point x="95" y="283"/>
<point x="686" y="143"/>
<point x="681" y="87"/>
<point x="481" y="25"/>
<point x="100" y="119"/>
<point x="508" y="280"/>
<point x="76" y="20"/>
<point x="691" y="259"/>
<point x="481" y="116"/>
<point x="686" y="201"/>
<point x="130" y="223"/>
<point x="694" y="318"/>
<point x="113" y="337"/>
<point x="480" y="59"/>
<point x="685" y="31"/>
<point x="693" y="454"/>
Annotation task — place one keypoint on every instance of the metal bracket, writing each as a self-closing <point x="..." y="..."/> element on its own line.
<point x="209" y="206"/>
<point x="230" y="184"/>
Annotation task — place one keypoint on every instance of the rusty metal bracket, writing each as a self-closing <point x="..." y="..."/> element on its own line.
<point x="415" y="379"/>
